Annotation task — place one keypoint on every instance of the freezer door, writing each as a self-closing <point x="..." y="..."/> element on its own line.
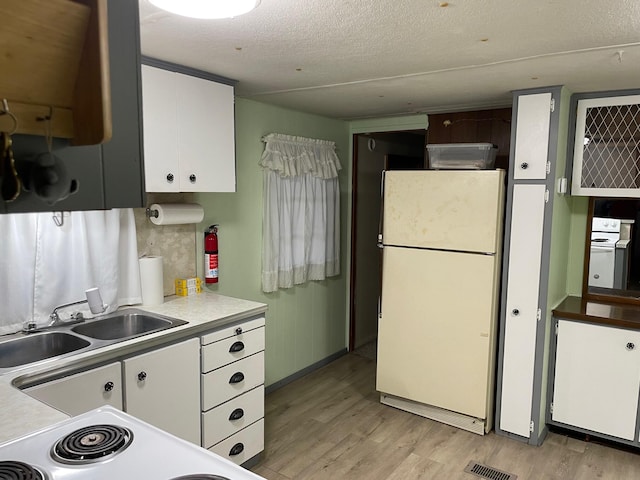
<point x="452" y="210"/>
<point x="437" y="329"/>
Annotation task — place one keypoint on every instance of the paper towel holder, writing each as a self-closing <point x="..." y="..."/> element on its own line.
<point x="152" y="213"/>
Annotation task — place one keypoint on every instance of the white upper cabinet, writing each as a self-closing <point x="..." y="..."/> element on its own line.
<point x="606" y="149"/>
<point x="189" y="134"/>
<point x="532" y="136"/>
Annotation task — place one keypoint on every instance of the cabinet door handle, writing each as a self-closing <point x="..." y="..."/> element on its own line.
<point x="237" y="414"/>
<point x="238" y="330"/>
<point x="237" y="449"/>
<point x="170" y="177"/>
<point x="631" y="346"/>
<point x="192" y="178"/>
<point x="236" y="377"/>
<point x="524" y="165"/>
<point x="142" y="376"/>
<point x="515" y="312"/>
<point x="236" y="347"/>
<point x="108" y="386"/>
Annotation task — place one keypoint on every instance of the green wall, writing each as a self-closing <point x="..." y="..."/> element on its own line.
<point x="306" y="323"/>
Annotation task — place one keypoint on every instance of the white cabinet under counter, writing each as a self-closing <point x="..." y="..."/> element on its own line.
<point x="232" y="382"/>
<point x="82" y="391"/>
<point x="189" y="139"/>
<point x="596" y="378"/>
<point x="160" y="387"/>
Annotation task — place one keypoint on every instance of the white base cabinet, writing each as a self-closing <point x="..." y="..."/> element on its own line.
<point x="232" y="381"/>
<point x="208" y="390"/>
<point x="597" y="378"/>
<point x="82" y="391"/>
<point x="162" y="386"/>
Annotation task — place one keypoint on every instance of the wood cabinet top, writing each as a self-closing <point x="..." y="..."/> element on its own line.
<point x="617" y="315"/>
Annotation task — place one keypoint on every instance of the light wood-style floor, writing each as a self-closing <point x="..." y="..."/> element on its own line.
<point x="330" y="425"/>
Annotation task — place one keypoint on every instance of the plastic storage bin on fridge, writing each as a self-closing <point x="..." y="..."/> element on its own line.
<point x="462" y="156"/>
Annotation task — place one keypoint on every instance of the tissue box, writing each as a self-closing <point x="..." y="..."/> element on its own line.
<point x="183" y="292"/>
<point x="188" y="286"/>
<point x="188" y="282"/>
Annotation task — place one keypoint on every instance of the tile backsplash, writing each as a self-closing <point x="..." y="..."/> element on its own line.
<point x="175" y="243"/>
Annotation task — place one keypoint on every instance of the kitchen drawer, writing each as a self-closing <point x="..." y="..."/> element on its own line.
<point x="217" y="424"/>
<point x="219" y="385"/>
<point x="231" y="349"/>
<point x="242" y="446"/>
<point x="232" y="331"/>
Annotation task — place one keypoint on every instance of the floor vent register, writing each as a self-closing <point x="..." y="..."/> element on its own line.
<point x="488" y="472"/>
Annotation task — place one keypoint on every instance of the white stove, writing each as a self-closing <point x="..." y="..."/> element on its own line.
<point x="605" y="234"/>
<point x="109" y="444"/>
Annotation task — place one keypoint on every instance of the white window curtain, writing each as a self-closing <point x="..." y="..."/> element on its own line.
<point x="301" y="216"/>
<point x="43" y="265"/>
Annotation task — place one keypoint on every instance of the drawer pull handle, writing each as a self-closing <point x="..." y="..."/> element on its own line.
<point x="236" y="377"/>
<point x="237" y="449"/>
<point x="238" y="330"/>
<point x="108" y="386"/>
<point x="142" y="376"/>
<point x="237" y="414"/>
<point x="631" y="346"/>
<point x="236" y="347"/>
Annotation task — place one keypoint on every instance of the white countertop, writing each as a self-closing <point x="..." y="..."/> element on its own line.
<point x="20" y="414"/>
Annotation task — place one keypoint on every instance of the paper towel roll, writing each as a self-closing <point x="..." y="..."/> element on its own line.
<point x="177" y="213"/>
<point x="151" y="280"/>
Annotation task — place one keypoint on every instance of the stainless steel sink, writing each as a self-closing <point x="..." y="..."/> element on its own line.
<point x="38" y="346"/>
<point x="63" y="340"/>
<point x="123" y="325"/>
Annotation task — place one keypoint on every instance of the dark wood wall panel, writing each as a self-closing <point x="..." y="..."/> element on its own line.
<point x="482" y="126"/>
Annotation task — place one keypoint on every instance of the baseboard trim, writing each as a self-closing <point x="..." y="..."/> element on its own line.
<point x="305" y="371"/>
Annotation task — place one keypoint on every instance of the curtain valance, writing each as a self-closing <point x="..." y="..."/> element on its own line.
<point x="292" y="156"/>
<point x="301" y="216"/>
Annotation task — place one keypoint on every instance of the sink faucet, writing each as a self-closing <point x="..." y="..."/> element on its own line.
<point x="95" y="305"/>
<point x="76" y="317"/>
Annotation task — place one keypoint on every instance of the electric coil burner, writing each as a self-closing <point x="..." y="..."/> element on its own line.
<point x="19" y="471"/>
<point x="91" y="444"/>
<point x="109" y="444"/>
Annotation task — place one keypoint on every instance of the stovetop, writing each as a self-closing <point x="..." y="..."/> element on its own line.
<point x="106" y="443"/>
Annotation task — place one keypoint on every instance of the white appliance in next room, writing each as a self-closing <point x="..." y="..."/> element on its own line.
<point x="605" y="233"/>
<point x="442" y="241"/>
<point x="106" y="443"/>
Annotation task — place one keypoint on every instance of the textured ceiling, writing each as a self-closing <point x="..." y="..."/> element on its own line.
<point x="356" y="59"/>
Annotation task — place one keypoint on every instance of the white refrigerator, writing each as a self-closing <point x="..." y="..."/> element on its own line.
<point x="442" y="241"/>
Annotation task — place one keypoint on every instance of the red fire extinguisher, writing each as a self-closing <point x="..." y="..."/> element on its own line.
<point x="211" y="254"/>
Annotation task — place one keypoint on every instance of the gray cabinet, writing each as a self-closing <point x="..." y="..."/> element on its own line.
<point x="109" y="175"/>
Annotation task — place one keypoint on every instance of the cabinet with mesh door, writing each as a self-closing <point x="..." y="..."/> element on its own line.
<point x="604" y="142"/>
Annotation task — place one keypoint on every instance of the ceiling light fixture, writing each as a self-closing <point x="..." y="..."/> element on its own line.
<point x="207" y="8"/>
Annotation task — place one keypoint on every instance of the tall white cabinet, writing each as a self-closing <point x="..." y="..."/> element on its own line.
<point x="526" y="263"/>
<point x="189" y="140"/>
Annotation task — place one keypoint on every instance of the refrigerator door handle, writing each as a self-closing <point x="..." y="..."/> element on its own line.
<point x="381" y="217"/>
